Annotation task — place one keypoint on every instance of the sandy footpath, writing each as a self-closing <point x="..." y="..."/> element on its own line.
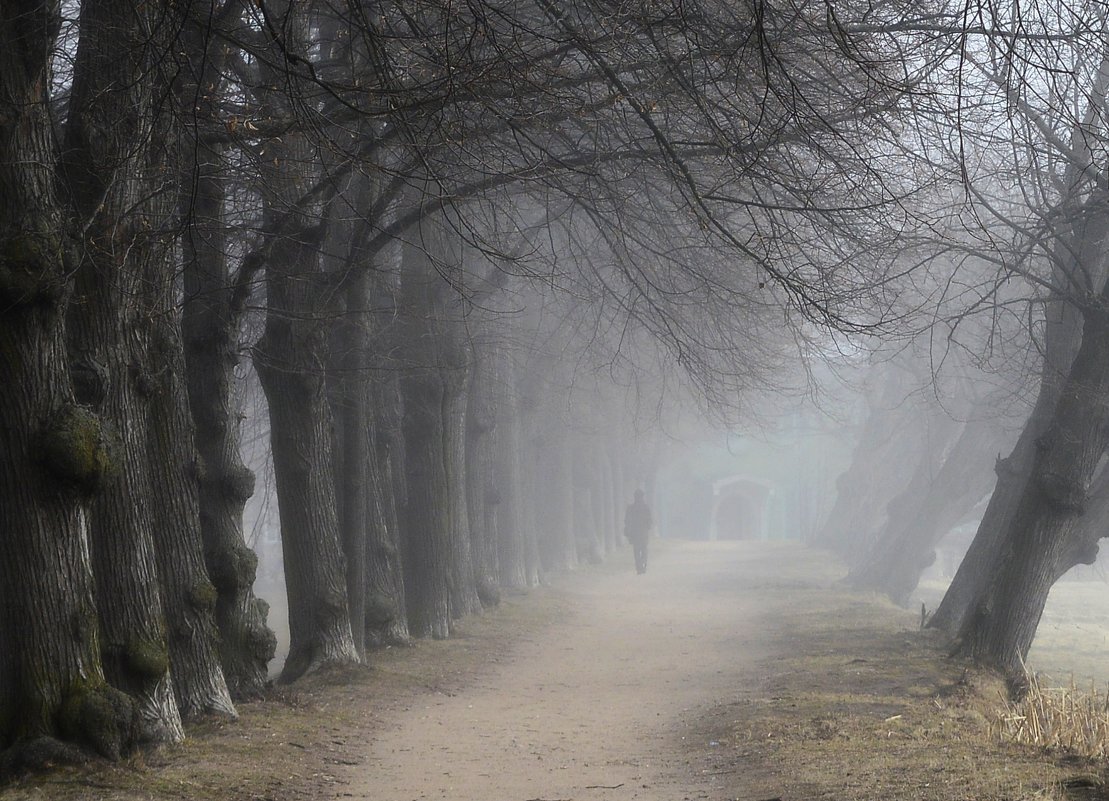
<point x="601" y="706"/>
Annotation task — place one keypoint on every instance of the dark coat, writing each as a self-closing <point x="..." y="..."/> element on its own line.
<point x="637" y="521"/>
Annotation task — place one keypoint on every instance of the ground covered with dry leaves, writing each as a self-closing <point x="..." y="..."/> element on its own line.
<point x="729" y="671"/>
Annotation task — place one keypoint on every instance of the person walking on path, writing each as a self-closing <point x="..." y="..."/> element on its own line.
<point x="637" y="527"/>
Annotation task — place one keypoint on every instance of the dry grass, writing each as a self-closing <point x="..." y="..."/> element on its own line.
<point x="1062" y="718"/>
<point x="1073" y="636"/>
<point x="300" y="742"/>
<point x="855" y="703"/>
<point x="860" y="704"/>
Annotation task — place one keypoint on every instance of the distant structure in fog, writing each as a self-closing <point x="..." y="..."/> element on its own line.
<point x="739" y="508"/>
<point x="777" y="485"/>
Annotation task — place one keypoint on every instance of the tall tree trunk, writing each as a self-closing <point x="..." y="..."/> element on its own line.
<point x="528" y="491"/>
<point x="132" y="616"/>
<point x="246" y="644"/>
<point x="114" y="165"/>
<point x="350" y="409"/>
<point x="879" y="464"/>
<point x="457" y="356"/>
<point x="1012" y="476"/>
<point x="289" y="359"/>
<point x="907" y="548"/>
<point x="427" y="555"/>
<point x="386" y="613"/>
<point x="1063" y="335"/>
<point x="483" y="495"/>
<point x="386" y="616"/>
<point x="211" y="324"/>
<point x="1078" y="264"/>
<point x="1045" y="525"/>
<point x="55" y="452"/>
<point x="188" y="594"/>
<point x="173" y="465"/>
<point x="507" y="478"/>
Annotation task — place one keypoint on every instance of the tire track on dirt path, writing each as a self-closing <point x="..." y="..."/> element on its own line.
<point x="602" y="705"/>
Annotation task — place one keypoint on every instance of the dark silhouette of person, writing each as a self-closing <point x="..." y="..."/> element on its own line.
<point x="637" y="527"/>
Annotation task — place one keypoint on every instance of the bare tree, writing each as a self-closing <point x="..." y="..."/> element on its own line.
<point x="1030" y="534"/>
<point x="57" y="453"/>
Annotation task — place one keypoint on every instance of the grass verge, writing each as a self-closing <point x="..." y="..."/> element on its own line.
<point x="859" y="703"/>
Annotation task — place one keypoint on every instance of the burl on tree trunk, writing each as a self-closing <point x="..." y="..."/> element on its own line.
<point x="214" y="303"/>
<point x="121" y="331"/>
<point x="56" y="454"/>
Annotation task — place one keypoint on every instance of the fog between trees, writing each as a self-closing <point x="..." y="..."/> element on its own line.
<point x="485" y="263"/>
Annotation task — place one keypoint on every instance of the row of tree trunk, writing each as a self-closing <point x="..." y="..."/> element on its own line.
<point x="1049" y="504"/>
<point x="424" y="461"/>
<point x="109" y="631"/>
<point x="432" y="464"/>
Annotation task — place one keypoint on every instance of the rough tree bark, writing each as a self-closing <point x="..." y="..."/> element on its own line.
<point x="1091" y="527"/>
<point x="426" y="528"/>
<point x="1078" y="268"/>
<point x="290" y="359"/>
<point x="1044" y="537"/>
<point x="55" y="452"/>
<point x="386" y="613"/>
<point x="1062" y="334"/>
<point x="173" y="463"/>
<point x="246" y="643"/>
<point x="427" y="389"/>
<point x="115" y="167"/>
<point x="212" y="315"/>
<point x="173" y="466"/>
<point x="464" y="589"/>
<point x="349" y="396"/>
<point x="1012" y="476"/>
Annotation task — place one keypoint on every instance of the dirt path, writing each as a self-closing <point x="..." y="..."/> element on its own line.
<point x="729" y="671"/>
<point x="601" y="706"/>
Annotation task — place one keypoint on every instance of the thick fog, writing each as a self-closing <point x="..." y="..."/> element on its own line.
<point x="325" y="329"/>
